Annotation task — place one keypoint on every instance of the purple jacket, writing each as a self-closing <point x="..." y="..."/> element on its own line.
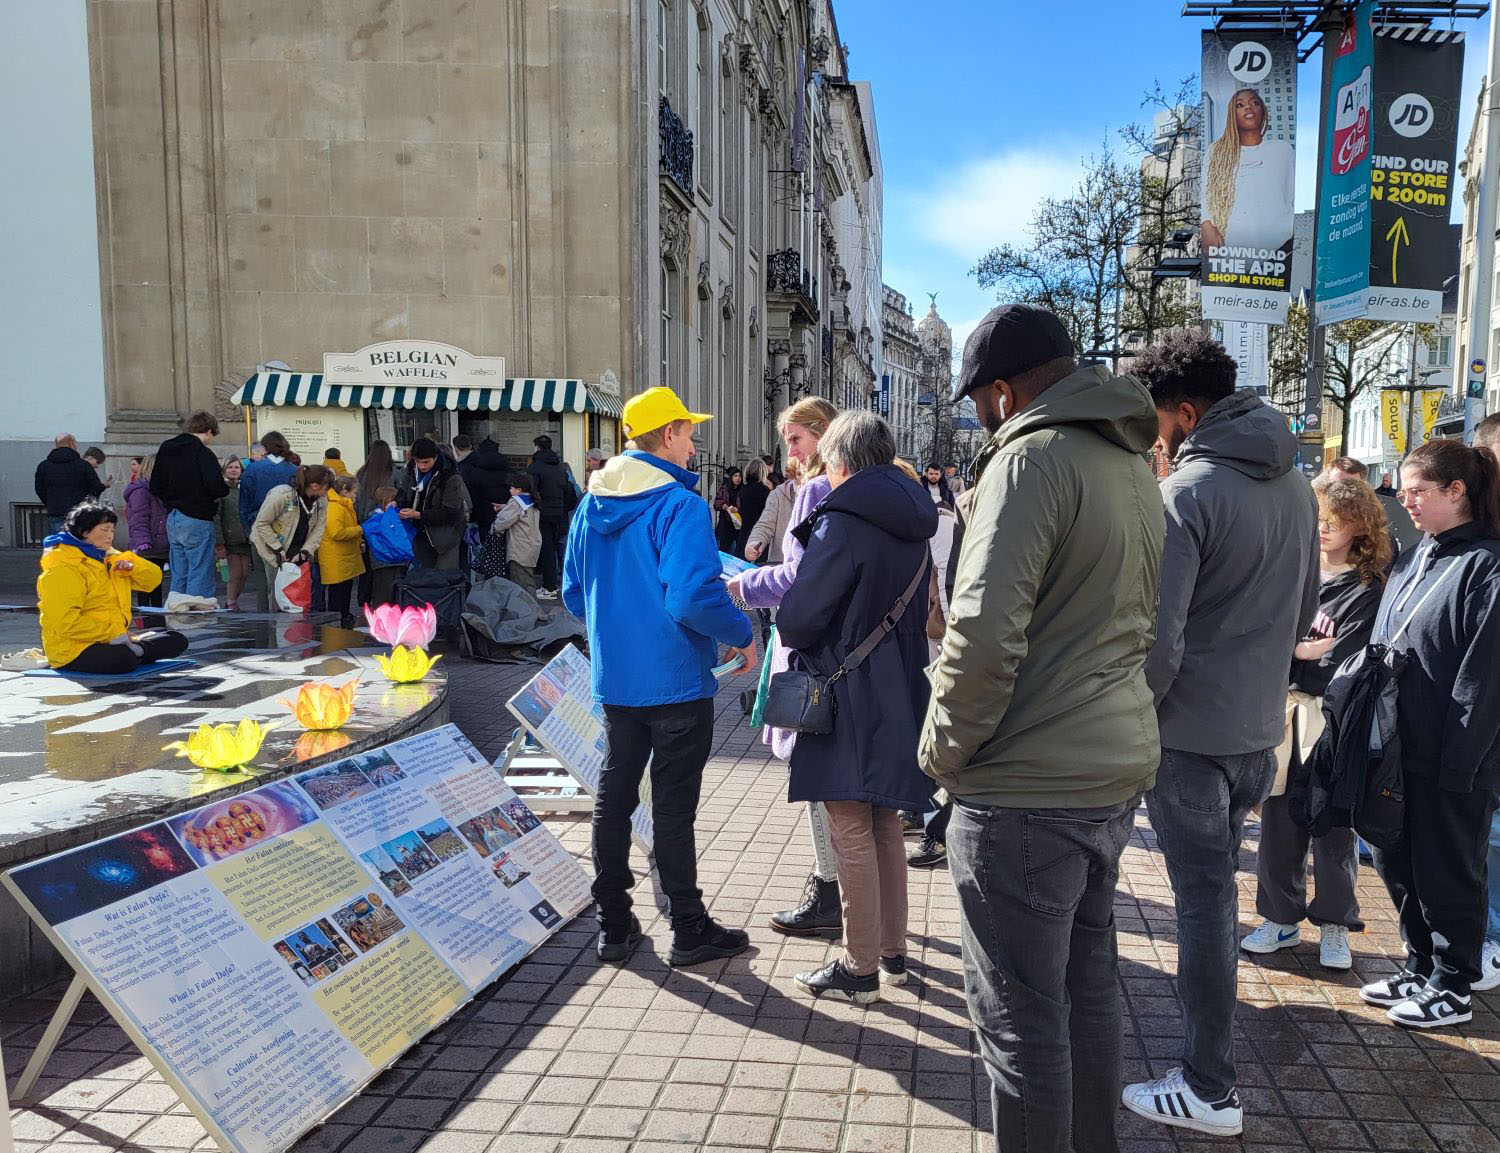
<point x="147" y="518"/>
<point x="763" y="588"/>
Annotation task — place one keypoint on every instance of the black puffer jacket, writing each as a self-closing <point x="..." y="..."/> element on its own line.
<point x="488" y="476"/>
<point x="554" y="495"/>
<point x="443" y="503"/>
<point x="64" y="479"/>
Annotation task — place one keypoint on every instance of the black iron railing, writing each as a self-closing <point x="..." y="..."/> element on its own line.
<point x="676" y="149"/>
<point x="784" y="271"/>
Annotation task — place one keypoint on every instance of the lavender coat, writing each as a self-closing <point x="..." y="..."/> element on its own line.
<point x="763" y="588"/>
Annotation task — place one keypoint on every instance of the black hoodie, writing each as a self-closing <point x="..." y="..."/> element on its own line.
<point x="187" y="477"/>
<point x="64" y="479"/>
<point x="488" y="477"/>
<point x="1346" y="612"/>
<point x="554" y="495"/>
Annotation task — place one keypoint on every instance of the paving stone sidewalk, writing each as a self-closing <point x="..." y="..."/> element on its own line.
<point x="568" y="1056"/>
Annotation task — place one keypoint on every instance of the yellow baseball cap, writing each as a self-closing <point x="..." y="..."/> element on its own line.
<point x="656" y="408"/>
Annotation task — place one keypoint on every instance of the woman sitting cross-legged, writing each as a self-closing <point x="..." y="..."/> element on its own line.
<point x="857" y="614"/>
<point x="84" y="597"/>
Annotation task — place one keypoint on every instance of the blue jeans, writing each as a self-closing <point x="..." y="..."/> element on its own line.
<point x="1036" y="890"/>
<point x="1198" y="811"/>
<point x="191" y="557"/>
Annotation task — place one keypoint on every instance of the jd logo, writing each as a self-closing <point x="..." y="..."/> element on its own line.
<point x="1249" y="62"/>
<point x="1411" y="115"/>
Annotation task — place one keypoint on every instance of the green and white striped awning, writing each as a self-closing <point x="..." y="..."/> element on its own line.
<point x="521" y="394"/>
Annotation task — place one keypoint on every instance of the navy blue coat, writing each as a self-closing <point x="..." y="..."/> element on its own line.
<point x="864" y="543"/>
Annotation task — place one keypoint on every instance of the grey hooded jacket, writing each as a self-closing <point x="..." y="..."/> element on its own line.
<point x="1239" y="581"/>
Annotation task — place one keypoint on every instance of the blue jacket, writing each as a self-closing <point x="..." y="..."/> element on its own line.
<point x="865" y="542"/>
<point x="643" y="571"/>
<point x="258" y="479"/>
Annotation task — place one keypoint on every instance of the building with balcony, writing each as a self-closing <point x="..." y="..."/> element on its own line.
<point x="901" y="356"/>
<point x="608" y="196"/>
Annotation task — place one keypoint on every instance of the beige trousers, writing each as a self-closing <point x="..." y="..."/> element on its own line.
<point x="872" y="881"/>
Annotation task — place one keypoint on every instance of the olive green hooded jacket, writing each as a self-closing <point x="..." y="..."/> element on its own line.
<point x="1039" y="697"/>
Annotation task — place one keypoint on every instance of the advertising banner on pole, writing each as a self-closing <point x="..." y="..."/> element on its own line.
<point x="1247" y="343"/>
<point x="1249" y="173"/>
<point x="1412" y="185"/>
<point x="1432" y="402"/>
<point x="1393" y="420"/>
<point x="1342" y="276"/>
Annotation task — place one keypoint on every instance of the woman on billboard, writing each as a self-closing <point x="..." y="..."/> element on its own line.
<point x="1248" y="201"/>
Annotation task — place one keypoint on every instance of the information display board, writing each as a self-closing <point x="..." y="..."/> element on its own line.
<point x="558" y="709"/>
<point x="273" y="952"/>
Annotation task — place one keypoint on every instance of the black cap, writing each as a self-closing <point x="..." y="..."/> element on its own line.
<point x="1012" y="339"/>
<point x="423" y="449"/>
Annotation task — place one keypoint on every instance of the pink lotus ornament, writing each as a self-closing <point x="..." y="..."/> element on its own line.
<point x="403" y="625"/>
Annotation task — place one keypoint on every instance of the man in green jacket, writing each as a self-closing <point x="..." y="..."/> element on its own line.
<point x="1041" y="725"/>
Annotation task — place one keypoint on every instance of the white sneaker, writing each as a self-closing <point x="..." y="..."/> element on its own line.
<point x="1171" y="1101"/>
<point x="1333" y="948"/>
<point x="1393" y="990"/>
<point x="1272" y="936"/>
<point x="1489" y="968"/>
<point x="1432" y="1008"/>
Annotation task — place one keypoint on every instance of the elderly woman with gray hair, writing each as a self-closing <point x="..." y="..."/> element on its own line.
<point x="856" y="613"/>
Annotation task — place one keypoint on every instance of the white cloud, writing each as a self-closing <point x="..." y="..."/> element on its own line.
<point x="989" y="200"/>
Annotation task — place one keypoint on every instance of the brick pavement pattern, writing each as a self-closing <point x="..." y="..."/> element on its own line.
<point x="568" y="1056"/>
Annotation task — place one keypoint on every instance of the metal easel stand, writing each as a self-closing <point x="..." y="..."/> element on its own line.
<point x="44" y="1050"/>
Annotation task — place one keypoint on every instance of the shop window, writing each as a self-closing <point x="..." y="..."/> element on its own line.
<point x="513" y="432"/>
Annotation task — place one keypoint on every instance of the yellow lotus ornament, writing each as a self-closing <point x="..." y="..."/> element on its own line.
<point x="223" y="748"/>
<point x="320" y="707"/>
<point x="405" y="665"/>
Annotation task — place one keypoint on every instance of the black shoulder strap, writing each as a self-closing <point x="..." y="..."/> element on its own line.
<point x="891" y="620"/>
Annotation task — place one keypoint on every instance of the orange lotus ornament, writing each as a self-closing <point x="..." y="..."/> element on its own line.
<point x="318" y="743"/>
<point x="320" y="707"/>
<point x="223" y="748"/>
<point x="405" y="665"/>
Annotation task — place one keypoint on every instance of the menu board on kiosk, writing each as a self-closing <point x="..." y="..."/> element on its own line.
<point x="273" y="952"/>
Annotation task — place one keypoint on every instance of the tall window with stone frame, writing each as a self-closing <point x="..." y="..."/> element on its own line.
<point x="671" y="323"/>
<point x="726" y="375"/>
<point x="704" y="376"/>
<point x="729" y="150"/>
<point x="663" y="47"/>
<point x="703" y="139"/>
<point x="754" y="219"/>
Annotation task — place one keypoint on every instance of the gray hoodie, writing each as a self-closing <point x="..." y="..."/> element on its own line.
<point x="1239" y="581"/>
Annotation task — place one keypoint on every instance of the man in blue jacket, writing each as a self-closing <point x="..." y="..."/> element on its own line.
<point x="643" y="571"/>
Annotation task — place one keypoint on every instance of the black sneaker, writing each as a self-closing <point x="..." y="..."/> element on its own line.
<point x="1432" y="1009"/>
<point x="1393" y="990"/>
<point x="929" y="854"/>
<point x="912" y="823"/>
<point x="893" y="970"/>
<point x="820" y="912"/>
<point x="617" y="944"/>
<point x="710" y="941"/>
<point x="836" y="980"/>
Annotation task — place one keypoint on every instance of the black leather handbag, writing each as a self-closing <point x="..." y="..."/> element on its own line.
<point x="802" y="702"/>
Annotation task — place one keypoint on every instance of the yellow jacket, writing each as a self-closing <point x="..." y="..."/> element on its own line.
<point x="86" y="602"/>
<point x="337" y="466"/>
<point x="338" y="555"/>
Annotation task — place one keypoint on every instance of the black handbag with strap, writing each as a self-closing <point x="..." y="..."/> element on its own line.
<point x="802" y="702"/>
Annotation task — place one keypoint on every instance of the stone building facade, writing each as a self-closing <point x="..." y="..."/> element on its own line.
<point x="607" y="192"/>
<point x="901" y="375"/>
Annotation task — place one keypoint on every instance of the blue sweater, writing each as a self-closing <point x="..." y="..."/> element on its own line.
<point x="643" y="572"/>
<point x="258" y="479"/>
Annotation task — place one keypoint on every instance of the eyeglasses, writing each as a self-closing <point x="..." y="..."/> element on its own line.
<point x="1329" y="526"/>
<point x="1416" y="494"/>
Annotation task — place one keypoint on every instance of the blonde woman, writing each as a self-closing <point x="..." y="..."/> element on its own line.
<point x="1249" y="181"/>
<point x="801" y="426"/>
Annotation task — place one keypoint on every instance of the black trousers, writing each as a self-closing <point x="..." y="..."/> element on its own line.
<point x="338" y="597"/>
<point x="1438" y="880"/>
<point x="115" y="659"/>
<point x="676" y="739"/>
<point x="554" y="541"/>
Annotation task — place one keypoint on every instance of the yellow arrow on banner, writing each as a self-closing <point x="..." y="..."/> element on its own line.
<point x="1397" y="236"/>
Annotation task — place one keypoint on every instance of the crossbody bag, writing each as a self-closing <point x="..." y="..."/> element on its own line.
<point x="802" y="701"/>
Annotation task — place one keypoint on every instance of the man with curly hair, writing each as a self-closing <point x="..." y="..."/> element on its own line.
<point x="1239" y="587"/>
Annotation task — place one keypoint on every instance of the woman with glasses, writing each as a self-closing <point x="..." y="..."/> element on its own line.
<point x="1442" y="601"/>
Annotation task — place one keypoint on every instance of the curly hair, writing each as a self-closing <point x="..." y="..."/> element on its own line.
<point x="1353" y="505"/>
<point x="1186" y="366"/>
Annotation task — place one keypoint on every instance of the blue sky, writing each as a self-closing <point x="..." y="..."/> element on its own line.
<point x="983" y="107"/>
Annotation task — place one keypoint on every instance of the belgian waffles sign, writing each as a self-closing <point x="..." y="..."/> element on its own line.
<point x="397" y="362"/>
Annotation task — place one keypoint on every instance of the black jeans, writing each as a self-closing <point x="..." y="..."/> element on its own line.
<point x="554" y="541"/>
<point x="676" y="739"/>
<point x="1036" y="889"/>
<point x="338" y="597"/>
<point x="115" y="659"/>
<point x="1438" y="882"/>
<point x="1198" y="811"/>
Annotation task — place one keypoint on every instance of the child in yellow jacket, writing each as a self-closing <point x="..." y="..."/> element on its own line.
<point x="340" y="558"/>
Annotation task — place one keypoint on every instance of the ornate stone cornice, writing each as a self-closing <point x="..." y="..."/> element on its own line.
<point x="676" y="237"/>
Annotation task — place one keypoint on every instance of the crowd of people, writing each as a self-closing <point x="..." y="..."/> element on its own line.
<point x="1233" y="639"/>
